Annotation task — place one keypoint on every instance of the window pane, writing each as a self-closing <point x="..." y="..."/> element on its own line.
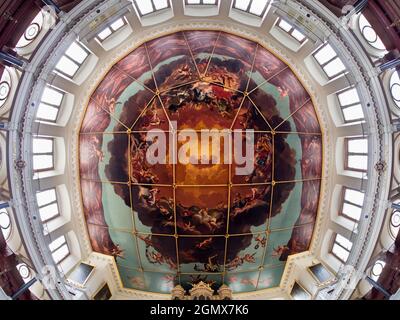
<point x="48" y="212"/>
<point x="160" y="4"/>
<point x="60" y="254"/>
<point x="57" y="243"/>
<point x="354" y="196"/>
<point x="51" y="96"/>
<point x="47" y="112"/>
<point x="285" y="25"/>
<point x="298" y="35"/>
<point x="351" y="211"/>
<point x="325" y="54"/>
<point x="348" y="97"/>
<point x="345" y="243"/>
<point x="77" y="53"/>
<point x="42" y="145"/>
<point x="144" y="6"/>
<point x="67" y="66"/>
<point x="353" y="113"/>
<point x="358" y="146"/>
<point x="340" y="252"/>
<point x="257" y="6"/>
<point x="105" y="33"/>
<point x="193" y="1"/>
<point x="358" y="162"/>
<point x="118" y="24"/>
<point x="45" y="197"/>
<point x="42" y="162"/>
<point x="242" y="4"/>
<point x="210" y="1"/>
<point x="334" y="68"/>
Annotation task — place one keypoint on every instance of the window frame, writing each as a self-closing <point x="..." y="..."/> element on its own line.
<point x="153" y="6"/>
<point x="247" y="11"/>
<point x="344" y="201"/>
<point x="323" y="65"/>
<point x="343" y="107"/>
<point x="44" y="154"/>
<point x="202" y="3"/>
<point x="58" y="107"/>
<point x="109" y="26"/>
<point x="347" y="154"/>
<point x="292" y="29"/>
<point x="48" y="204"/>
<point x="334" y="242"/>
<point x="59" y="247"/>
<point x="79" y="64"/>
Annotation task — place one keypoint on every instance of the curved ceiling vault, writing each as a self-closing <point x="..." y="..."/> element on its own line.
<point x="250" y="145"/>
<point x="172" y="224"/>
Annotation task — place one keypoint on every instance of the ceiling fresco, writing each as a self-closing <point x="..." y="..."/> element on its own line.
<point x="179" y="223"/>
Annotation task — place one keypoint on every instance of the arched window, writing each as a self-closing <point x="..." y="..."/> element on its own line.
<point x="5" y="223"/>
<point x="369" y="34"/>
<point x="395" y="88"/>
<point x="31" y="32"/>
<point x="5" y="87"/>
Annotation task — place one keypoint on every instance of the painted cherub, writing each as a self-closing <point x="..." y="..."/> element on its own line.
<point x="94" y="142"/>
<point x="111" y="103"/>
<point x="283" y="92"/>
<point x="117" y="252"/>
<point x="261" y="241"/>
<point x="277" y="252"/>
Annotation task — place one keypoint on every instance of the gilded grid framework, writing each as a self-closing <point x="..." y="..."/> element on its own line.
<point x="229" y="185"/>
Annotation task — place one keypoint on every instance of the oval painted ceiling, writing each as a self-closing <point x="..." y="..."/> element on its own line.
<point x="171" y="222"/>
